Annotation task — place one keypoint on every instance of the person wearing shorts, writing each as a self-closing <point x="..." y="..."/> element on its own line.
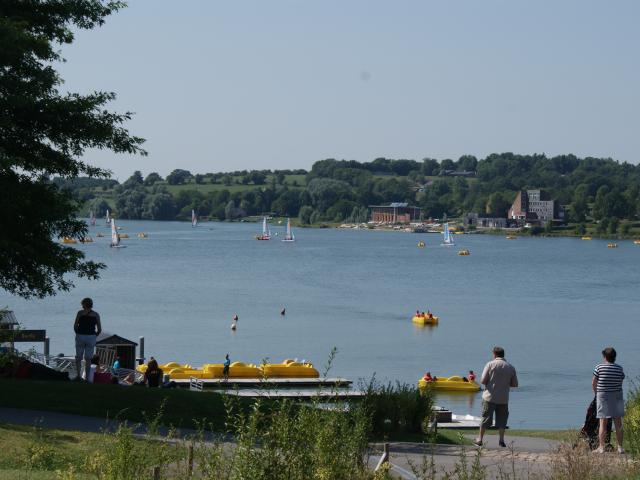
<point x="225" y="367"/>
<point x="87" y="327"/>
<point x="607" y="385"/>
<point x="498" y="377"/>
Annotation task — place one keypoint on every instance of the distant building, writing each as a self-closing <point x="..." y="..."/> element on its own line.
<point x="395" y="213"/>
<point x="475" y="220"/>
<point x="456" y="173"/>
<point x="533" y="206"/>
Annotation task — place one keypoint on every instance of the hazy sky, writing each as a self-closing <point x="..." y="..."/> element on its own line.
<point x="233" y="85"/>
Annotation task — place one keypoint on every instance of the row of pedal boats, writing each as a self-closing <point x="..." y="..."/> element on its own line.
<point x="211" y="371"/>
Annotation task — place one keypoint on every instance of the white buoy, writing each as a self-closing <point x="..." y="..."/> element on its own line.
<point x="233" y="326"/>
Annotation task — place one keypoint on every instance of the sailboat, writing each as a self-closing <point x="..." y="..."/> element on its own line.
<point x="266" y="235"/>
<point x="194" y="219"/>
<point x="288" y="236"/>
<point x="115" y="238"/>
<point x="92" y="218"/>
<point x="107" y="218"/>
<point x="448" y="239"/>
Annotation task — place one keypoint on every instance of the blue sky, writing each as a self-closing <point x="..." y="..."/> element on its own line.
<point x="219" y="86"/>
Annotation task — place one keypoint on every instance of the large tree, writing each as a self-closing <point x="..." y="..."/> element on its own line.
<point x="44" y="133"/>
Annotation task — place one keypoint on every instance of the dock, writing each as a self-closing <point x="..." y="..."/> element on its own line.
<point x="295" y="393"/>
<point x="268" y="383"/>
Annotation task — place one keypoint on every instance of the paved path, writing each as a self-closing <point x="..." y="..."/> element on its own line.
<point x="525" y="455"/>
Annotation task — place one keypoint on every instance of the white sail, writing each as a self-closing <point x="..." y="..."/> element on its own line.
<point x="194" y="219"/>
<point x="265" y="228"/>
<point x="115" y="239"/>
<point x="92" y="218"/>
<point x="107" y="217"/>
<point x="448" y="239"/>
<point x="288" y="236"/>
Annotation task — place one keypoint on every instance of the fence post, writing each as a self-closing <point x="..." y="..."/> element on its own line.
<point x="156" y="473"/>
<point x="141" y="351"/>
<point x="190" y="461"/>
<point x="47" y="343"/>
<point x="384" y="458"/>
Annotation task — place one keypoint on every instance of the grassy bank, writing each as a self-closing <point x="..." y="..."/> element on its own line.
<point x="181" y="408"/>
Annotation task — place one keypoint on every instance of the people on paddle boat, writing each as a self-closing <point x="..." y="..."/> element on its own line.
<point x="423" y="315"/>
<point x="472" y="376"/>
<point x="417" y="313"/>
<point x="428" y="378"/>
<point x="430" y="315"/>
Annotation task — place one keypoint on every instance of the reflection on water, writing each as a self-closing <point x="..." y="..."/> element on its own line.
<point x="552" y="303"/>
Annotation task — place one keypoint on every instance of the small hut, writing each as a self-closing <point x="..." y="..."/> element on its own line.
<point x="110" y="345"/>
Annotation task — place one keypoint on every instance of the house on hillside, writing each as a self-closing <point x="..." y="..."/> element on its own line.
<point x="397" y="212"/>
<point x="456" y="173"/>
<point x="475" y="220"/>
<point x="534" y="206"/>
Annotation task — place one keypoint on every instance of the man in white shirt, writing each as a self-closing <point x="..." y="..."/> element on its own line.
<point x="498" y="377"/>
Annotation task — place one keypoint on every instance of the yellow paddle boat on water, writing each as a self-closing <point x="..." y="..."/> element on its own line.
<point x="511" y="237"/>
<point x="289" y="369"/>
<point x="210" y="371"/>
<point x="68" y="240"/>
<point x="449" y="384"/>
<point x="425" y="320"/>
<point x="636" y="242"/>
<point x="420" y="244"/>
<point x="612" y="245"/>
<point x="464" y="253"/>
<point x="123" y="235"/>
<point x="143" y="235"/>
<point x="586" y="237"/>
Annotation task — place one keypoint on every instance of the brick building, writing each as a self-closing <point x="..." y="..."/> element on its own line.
<point x="533" y="205"/>
<point x="395" y="213"/>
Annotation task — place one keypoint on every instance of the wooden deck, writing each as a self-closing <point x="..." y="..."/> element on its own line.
<point x="265" y="384"/>
<point x="324" y="393"/>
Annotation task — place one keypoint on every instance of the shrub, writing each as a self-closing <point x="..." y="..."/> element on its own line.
<point x="399" y="408"/>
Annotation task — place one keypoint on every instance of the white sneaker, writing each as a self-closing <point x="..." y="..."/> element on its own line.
<point x="599" y="450"/>
<point x="621" y="450"/>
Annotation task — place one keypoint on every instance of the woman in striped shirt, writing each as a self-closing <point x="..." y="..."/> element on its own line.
<point x="607" y="385"/>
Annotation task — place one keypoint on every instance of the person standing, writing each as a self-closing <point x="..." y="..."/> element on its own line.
<point x="607" y="385"/>
<point x="87" y="327"/>
<point x="498" y="377"/>
<point x="225" y="369"/>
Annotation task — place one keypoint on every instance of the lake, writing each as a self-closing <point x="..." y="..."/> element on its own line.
<point x="552" y="303"/>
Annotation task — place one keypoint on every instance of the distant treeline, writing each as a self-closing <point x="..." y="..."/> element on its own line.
<point x="341" y="190"/>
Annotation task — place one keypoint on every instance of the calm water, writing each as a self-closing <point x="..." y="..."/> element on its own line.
<point x="552" y="303"/>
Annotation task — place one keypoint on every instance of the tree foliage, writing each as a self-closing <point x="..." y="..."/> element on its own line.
<point x="44" y="133"/>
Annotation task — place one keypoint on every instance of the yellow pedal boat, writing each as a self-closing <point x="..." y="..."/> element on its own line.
<point x="449" y="384"/>
<point x="289" y="369"/>
<point x="511" y="237"/>
<point x="68" y="240"/>
<point x="143" y="235"/>
<point x="420" y="320"/>
<point x="236" y="370"/>
<point x="586" y="237"/>
<point x="636" y="242"/>
<point x="612" y="245"/>
<point x="123" y="235"/>
<point x="464" y="253"/>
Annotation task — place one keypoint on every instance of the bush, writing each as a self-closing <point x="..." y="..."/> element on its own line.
<point x="632" y="422"/>
<point x="399" y="408"/>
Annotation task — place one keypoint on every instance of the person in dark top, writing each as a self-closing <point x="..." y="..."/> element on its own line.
<point x="153" y="375"/>
<point x="87" y="327"/>
<point x="225" y="369"/>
